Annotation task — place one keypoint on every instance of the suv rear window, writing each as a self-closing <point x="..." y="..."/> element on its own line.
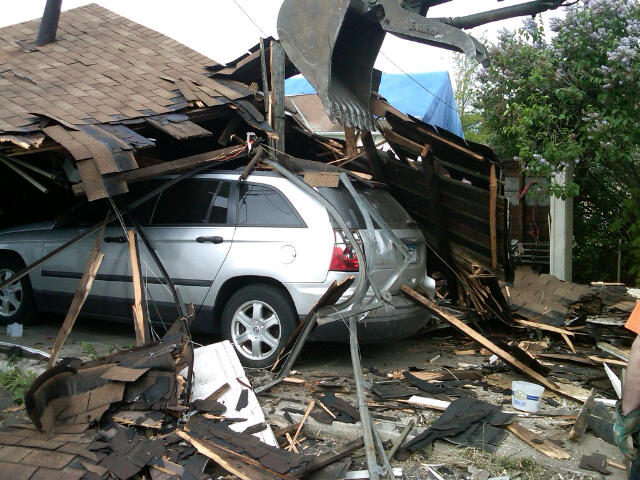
<point x="262" y="206"/>
<point x="386" y="206"/>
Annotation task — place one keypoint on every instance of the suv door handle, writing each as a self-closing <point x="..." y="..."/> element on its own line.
<point x="215" y="239"/>
<point x="120" y="239"/>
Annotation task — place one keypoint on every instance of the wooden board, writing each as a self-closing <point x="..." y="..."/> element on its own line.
<point x="567" y="357"/>
<point x="171" y="166"/>
<point x="543" y="326"/>
<point x="428" y="403"/>
<point x="580" y="425"/>
<point x="615" y="351"/>
<point x="322" y="179"/>
<point x="140" y="320"/>
<point x="239" y="465"/>
<point x="541" y="444"/>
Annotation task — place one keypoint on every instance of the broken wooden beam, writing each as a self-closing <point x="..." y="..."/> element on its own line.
<point x="277" y="87"/>
<point x="140" y="317"/>
<point x="259" y="153"/>
<point x="581" y="423"/>
<point x="304" y="419"/>
<point x="81" y="294"/>
<point x="615" y="351"/>
<point x="170" y="166"/>
<point x="243" y="467"/>
<point x="541" y="444"/>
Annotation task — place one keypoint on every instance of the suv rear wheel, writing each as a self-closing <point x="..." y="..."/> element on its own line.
<point x="258" y="319"/>
<point x="16" y="299"/>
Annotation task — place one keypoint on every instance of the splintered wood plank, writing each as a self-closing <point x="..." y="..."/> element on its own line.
<point x="615" y="351"/>
<point x="304" y="419"/>
<point x="134" y="417"/>
<point x="467" y="330"/>
<point x="244" y="467"/>
<point x="541" y="444"/>
<point x="170" y="166"/>
<point x="619" y="363"/>
<point x="543" y="326"/>
<point x="567" y="357"/>
<point x="580" y="425"/>
<point x="79" y="297"/>
<point x="140" y="320"/>
<point x="277" y="85"/>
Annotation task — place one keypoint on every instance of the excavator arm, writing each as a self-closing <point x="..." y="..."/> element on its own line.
<point x="335" y="43"/>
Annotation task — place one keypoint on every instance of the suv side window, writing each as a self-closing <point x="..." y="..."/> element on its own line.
<point x="86" y="214"/>
<point x="193" y="202"/>
<point x="143" y="212"/>
<point x="263" y="206"/>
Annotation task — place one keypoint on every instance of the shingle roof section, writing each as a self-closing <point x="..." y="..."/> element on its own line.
<point x="101" y="68"/>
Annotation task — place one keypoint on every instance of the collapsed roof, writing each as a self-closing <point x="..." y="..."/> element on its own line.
<point x="102" y="80"/>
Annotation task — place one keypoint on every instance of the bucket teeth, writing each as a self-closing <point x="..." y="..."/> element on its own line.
<point x="349" y="113"/>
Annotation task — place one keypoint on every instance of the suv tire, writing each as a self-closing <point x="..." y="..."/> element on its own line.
<point x="258" y="320"/>
<point x="16" y="300"/>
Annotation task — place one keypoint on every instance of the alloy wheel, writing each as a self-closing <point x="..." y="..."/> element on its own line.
<point x="10" y="296"/>
<point x="256" y="330"/>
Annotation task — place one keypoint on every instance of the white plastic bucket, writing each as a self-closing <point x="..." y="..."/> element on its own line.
<point x="14" y="330"/>
<point x="525" y="396"/>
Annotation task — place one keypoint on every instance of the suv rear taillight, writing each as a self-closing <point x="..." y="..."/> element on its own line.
<point x="343" y="258"/>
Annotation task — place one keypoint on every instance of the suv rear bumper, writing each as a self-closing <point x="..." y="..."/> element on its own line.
<point x="379" y="325"/>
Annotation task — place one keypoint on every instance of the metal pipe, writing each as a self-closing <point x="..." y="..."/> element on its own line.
<point x="25" y="175"/>
<point x="42" y="172"/>
<point x="365" y="418"/>
<point x="49" y="22"/>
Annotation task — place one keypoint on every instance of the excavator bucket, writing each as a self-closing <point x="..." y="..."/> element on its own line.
<point x="335" y="47"/>
<point x="334" y="43"/>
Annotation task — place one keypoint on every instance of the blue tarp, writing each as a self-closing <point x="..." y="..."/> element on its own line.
<point x="426" y="95"/>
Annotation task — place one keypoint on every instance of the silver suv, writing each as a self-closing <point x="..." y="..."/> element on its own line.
<point x="253" y="257"/>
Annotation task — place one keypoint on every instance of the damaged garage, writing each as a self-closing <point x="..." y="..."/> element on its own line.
<point x="143" y="183"/>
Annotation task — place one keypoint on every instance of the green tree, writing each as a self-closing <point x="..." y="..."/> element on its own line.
<point x="465" y="95"/>
<point x="574" y="101"/>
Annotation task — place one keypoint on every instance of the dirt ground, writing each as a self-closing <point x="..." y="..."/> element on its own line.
<point x="514" y="458"/>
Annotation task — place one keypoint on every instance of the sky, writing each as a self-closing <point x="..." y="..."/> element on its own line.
<point x="220" y="30"/>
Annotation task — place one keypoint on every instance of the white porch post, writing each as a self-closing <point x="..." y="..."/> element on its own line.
<point x="561" y="231"/>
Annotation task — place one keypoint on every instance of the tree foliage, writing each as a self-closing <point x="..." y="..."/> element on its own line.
<point x="573" y="101"/>
<point x="466" y="98"/>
